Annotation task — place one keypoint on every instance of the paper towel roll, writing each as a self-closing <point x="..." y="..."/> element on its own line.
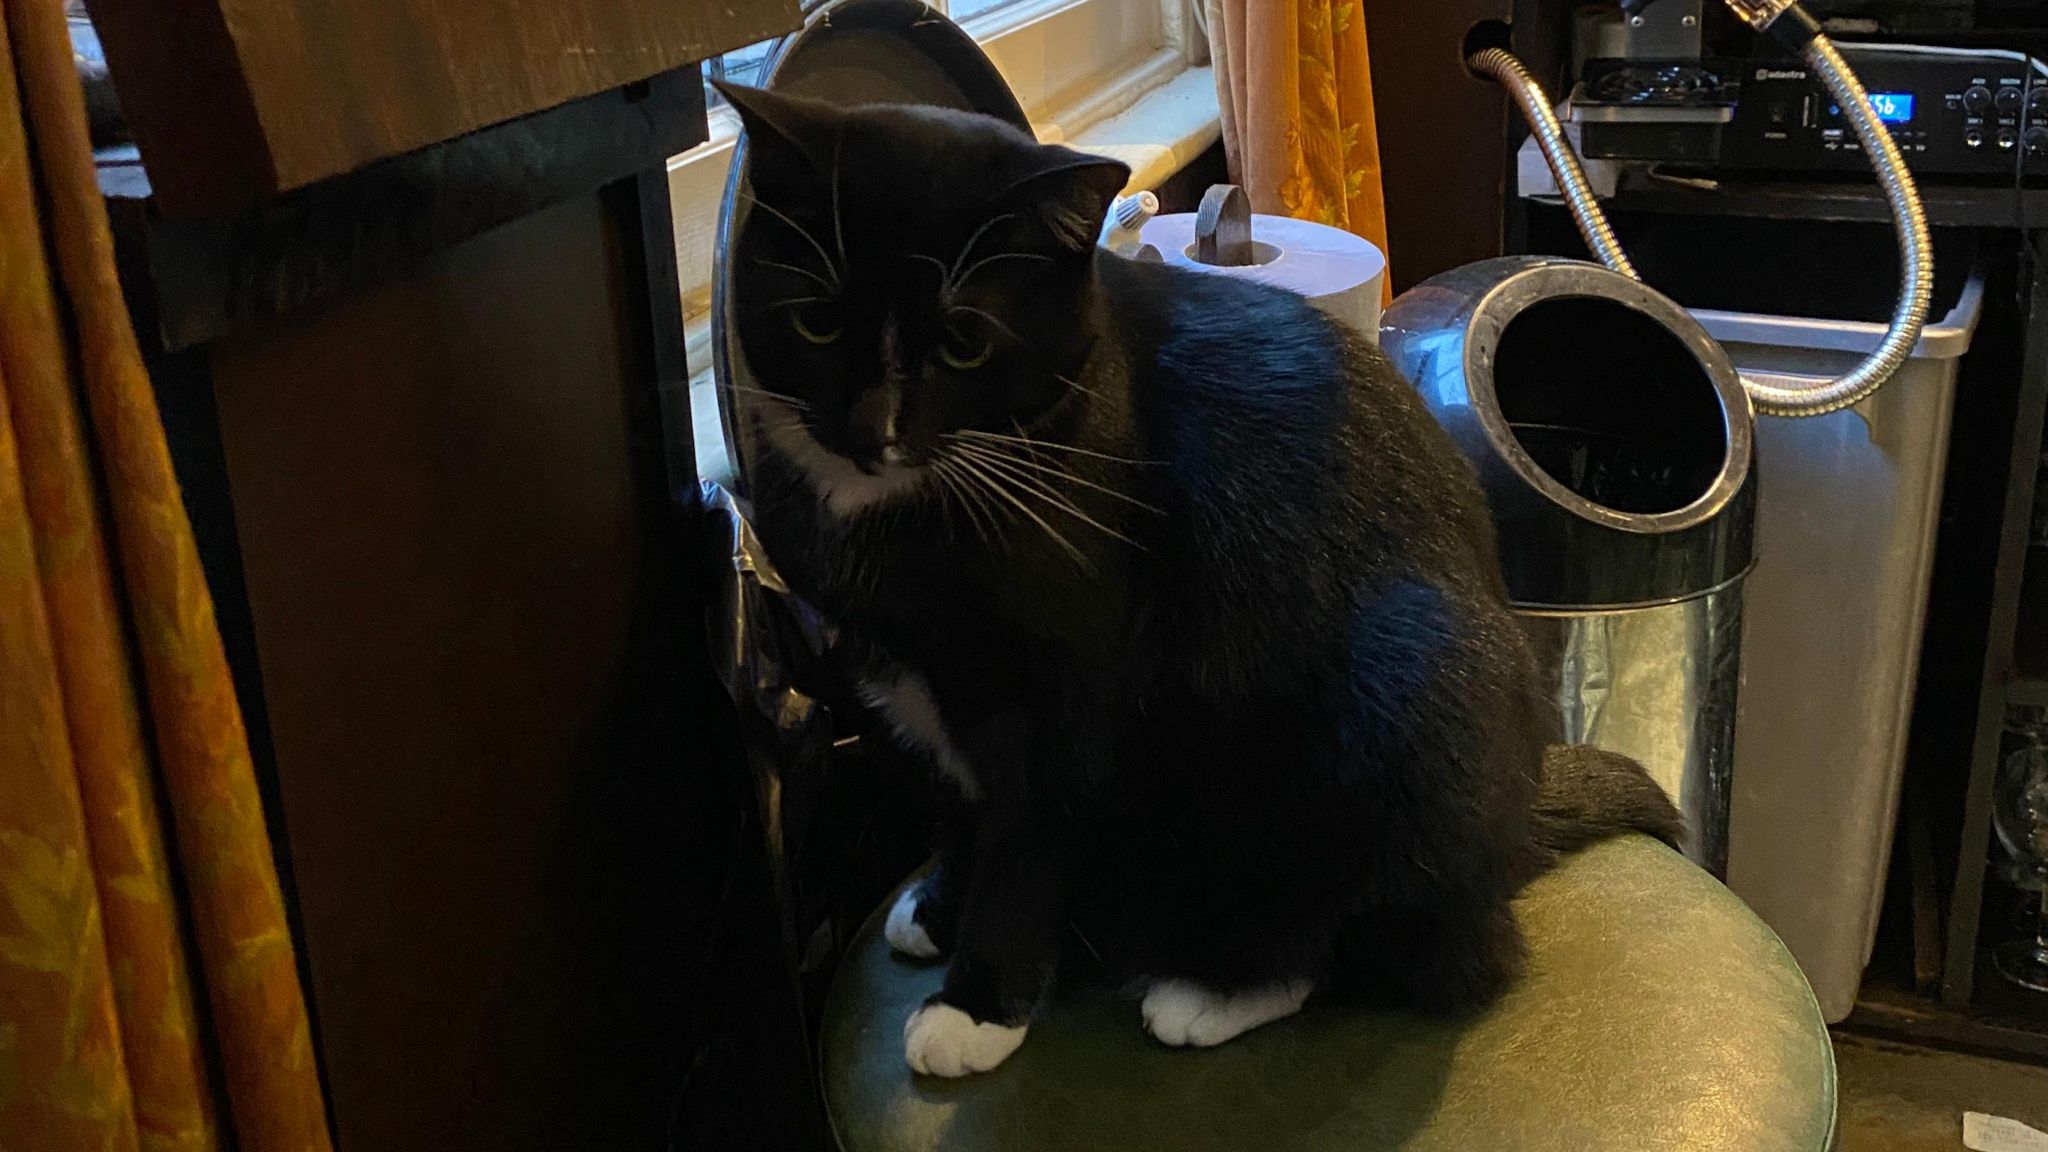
<point x="1340" y="273"/>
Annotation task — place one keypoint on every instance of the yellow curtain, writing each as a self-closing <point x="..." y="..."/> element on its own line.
<point x="1295" y="89"/>
<point x="122" y="752"/>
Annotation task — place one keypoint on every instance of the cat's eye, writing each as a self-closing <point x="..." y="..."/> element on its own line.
<point x="962" y="354"/>
<point x="815" y="325"/>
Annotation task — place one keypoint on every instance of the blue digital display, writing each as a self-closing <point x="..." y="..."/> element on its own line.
<point x="1893" y="107"/>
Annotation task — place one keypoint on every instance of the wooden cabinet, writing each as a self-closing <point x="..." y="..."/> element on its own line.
<point x="407" y="279"/>
<point x="233" y="103"/>
<point x="1442" y="136"/>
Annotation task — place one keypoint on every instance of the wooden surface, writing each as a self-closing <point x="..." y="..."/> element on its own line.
<point x="431" y="422"/>
<point x="214" y="275"/>
<point x="1441" y="136"/>
<point x="487" y="715"/>
<point x="234" y="102"/>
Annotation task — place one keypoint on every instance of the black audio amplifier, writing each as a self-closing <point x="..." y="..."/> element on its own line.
<point x="1965" y="113"/>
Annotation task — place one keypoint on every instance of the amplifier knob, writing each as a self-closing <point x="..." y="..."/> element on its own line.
<point x="2037" y="141"/>
<point x="2037" y="103"/>
<point x="1977" y="100"/>
<point x="2008" y="101"/>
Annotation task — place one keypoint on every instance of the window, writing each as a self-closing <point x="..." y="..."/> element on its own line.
<point x="744" y="65"/>
<point x="1082" y="69"/>
<point x="741" y="66"/>
<point x="962" y="9"/>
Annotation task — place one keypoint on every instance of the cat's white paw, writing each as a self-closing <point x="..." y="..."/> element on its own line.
<point x="904" y="933"/>
<point x="941" y="1040"/>
<point x="1185" y="1014"/>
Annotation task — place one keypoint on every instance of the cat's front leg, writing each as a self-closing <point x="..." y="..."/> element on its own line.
<point x="925" y="920"/>
<point x="1009" y="937"/>
<point x="1007" y="942"/>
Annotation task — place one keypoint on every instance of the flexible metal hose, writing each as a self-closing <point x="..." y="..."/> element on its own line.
<point x="1558" y="152"/>
<point x="1916" y="255"/>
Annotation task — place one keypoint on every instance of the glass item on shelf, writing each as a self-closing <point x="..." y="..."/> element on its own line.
<point x="2021" y="817"/>
<point x="2024" y="961"/>
<point x="2022" y="790"/>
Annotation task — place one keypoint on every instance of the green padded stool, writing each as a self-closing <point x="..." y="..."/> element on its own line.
<point x="1657" y="1013"/>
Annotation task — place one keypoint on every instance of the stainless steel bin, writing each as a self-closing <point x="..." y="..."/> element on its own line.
<point x="1614" y="441"/>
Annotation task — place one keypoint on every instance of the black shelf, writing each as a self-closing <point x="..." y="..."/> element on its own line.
<point x="1948" y="205"/>
<point x="1894" y="1013"/>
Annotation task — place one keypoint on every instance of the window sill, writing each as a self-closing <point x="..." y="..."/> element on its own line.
<point x="1162" y="132"/>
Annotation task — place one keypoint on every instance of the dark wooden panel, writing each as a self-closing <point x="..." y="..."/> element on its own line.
<point x="212" y="275"/>
<point x="486" y="709"/>
<point x="233" y="102"/>
<point x="1441" y="136"/>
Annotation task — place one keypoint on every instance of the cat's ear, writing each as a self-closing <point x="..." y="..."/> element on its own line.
<point x="1068" y="192"/>
<point x="789" y="138"/>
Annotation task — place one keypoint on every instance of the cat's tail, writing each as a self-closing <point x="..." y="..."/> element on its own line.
<point x="1589" y="795"/>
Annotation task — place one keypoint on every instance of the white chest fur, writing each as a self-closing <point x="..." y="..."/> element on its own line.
<point x="845" y="490"/>
<point x="906" y="702"/>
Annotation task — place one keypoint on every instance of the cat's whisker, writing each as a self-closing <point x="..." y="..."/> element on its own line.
<point x="779" y="305"/>
<point x="1077" y="386"/>
<point x="947" y="496"/>
<point x="838" y="231"/>
<point x="980" y="498"/>
<point x="763" y="393"/>
<point x="951" y="480"/>
<point x="993" y="511"/>
<point x="800" y="230"/>
<point x="1028" y="442"/>
<point x="998" y="325"/>
<point x="961" y="280"/>
<point x="957" y="501"/>
<point x="953" y="277"/>
<point x="1031" y="485"/>
<point x="1061" y="473"/>
<point x="806" y="273"/>
<point x="1024" y="481"/>
<point x="945" y="286"/>
<point x="1002" y="489"/>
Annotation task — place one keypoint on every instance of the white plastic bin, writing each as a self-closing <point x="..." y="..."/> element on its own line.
<point x="1846" y="515"/>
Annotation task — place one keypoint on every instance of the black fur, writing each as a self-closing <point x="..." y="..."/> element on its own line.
<point x="1589" y="795"/>
<point x="1270" y="715"/>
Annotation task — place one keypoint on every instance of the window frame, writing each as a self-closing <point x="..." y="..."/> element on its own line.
<point x="1071" y="63"/>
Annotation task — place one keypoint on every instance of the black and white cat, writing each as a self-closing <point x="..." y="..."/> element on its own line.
<point x="1190" y="603"/>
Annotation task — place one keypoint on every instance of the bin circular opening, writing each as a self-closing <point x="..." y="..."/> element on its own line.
<point x="1610" y="403"/>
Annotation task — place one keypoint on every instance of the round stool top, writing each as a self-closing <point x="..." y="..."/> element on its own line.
<point x="1657" y="1013"/>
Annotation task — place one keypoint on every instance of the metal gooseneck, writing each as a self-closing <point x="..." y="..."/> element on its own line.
<point x="1790" y="25"/>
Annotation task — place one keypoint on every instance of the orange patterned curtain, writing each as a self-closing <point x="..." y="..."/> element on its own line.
<point x="123" y="762"/>
<point x="1295" y="90"/>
